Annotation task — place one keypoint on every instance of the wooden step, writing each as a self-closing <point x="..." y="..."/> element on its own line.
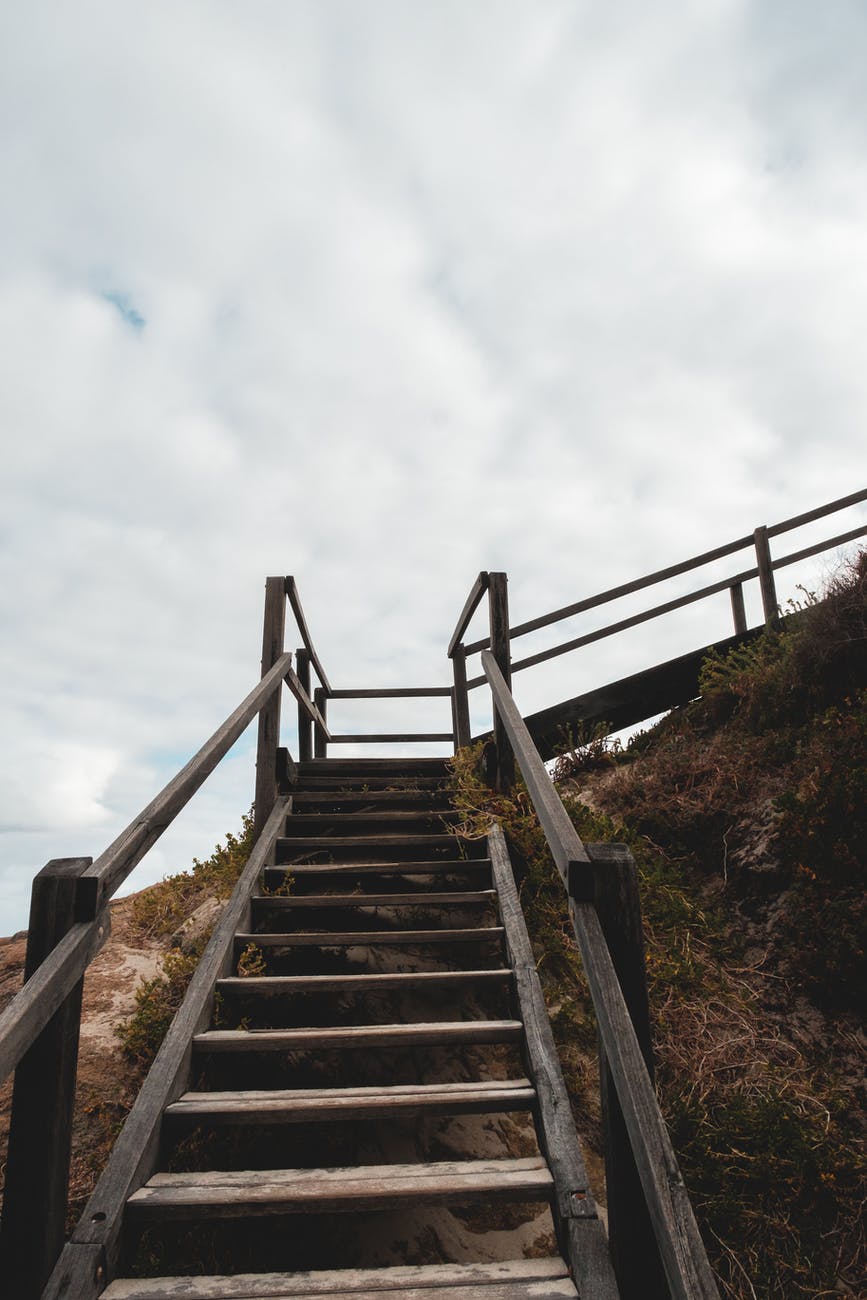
<point x="366" y="938"/>
<point x="274" y="876"/>
<point x="320" y="784"/>
<point x="360" y="768"/>
<point x="286" y="902"/>
<point x="242" y="1193"/>
<point x="427" y="800"/>
<point x="281" y="985"/>
<point x="306" y="1105"/>
<point x="435" y="1034"/>
<point x="398" y="818"/>
<point x="510" y="1279"/>
<point x="304" y="845"/>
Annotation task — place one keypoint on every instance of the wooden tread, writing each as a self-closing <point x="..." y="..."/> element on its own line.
<point x="289" y="901"/>
<point x="431" y="1034"/>
<point x="511" y="1279"/>
<point x="297" y="1106"/>
<point x="436" y="866"/>
<point x="280" y="985"/>
<point x="366" y="938"/>
<point x="235" y="1194"/>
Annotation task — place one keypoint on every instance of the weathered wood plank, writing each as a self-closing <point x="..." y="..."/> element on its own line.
<point x="581" y="1235"/>
<point x="393" y="738"/>
<point x="471" y="604"/>
<point x="301" y="621"/>
<point x="24" y="1019"/>
<point x="498" y="608"/>
<point x="461" y="699"/>
<point x="113" y="866"/>
<point x="555" y="1289"/>
<point x="134" y="1155"/>
<point x="444" y="899"/>
<point x="43" y="1098"/>
<point x="372" y="982"/>
<point x="305" y="723"/>
<point x="341" y="1104"/>
<point x="634" y="1252"/>
<point x="321" y="735"/>
<point x="629" y="700"/>
<point x="352" y="1036"/>
<point x="233" y="1194"/>
<point x="269" y="716"/>
<point x="366" y="938"/>
<point x="393" y="693"/>
<point x="346" y="1282"/>
<point x="770" y="606"/>
<point x="680" y="1245"/>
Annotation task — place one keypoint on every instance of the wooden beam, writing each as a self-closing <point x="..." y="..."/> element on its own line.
<point x="392" y="693"/>
<point x="321" y="735"/>
<point x="766" y="576"/>
<point x="134" y="1155"/>
<point x="291" y="589"/>
<point x="739" y="614"/>
<point x="461" y="698"/>
<point x="580" y="1234"/>
<point x="43" y="1099"/>
<point x="305" y="725"/>
<point x="269" y="715"/>
<point x="471" y="604"/>
<point x="634" y="1251"/>
<point x="392" y="738"/>
<point x="498" y="606"/>
<point x="113" y="866"/>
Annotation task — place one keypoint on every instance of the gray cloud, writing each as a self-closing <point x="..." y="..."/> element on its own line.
<point x="563" y="290"/>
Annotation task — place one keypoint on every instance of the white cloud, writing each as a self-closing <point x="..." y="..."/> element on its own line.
<point x="567" y="291"/>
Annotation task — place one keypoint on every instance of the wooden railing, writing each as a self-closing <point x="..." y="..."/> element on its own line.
<point x="69" y="924"/>
<point x="664" y="1197"/>
<point x="763" y="569"/>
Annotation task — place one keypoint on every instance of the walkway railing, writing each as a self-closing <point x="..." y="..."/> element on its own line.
<point x="681" y="1251"/>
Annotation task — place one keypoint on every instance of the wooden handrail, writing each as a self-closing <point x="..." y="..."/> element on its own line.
<point x="685" y="566"/>
<point x="680" y="1246"/>
<point x="295" y="601"/>
<point x="24" y="1019"/>
<point x="392" y="693"/>
<point x="112" y="867"/>
<point x="471" y="604"/>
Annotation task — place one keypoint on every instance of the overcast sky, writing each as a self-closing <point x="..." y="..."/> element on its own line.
<point x="381" y="294"/>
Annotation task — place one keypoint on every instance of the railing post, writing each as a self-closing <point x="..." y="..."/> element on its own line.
<point x="43" y="1098"/>
<point x="269" y="716"/>
<point x="634" y="1252"/>
<point x="320" y="741"/>
<point x="498" y="608"/>
<point x="739" y="613"/>
<point x="461" y="698"/>
<point x="305" y="733"/>
<point x="766" y="575"/>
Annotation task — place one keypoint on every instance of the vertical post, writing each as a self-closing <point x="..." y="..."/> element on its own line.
<point x="320" y="743"/>
<point x="269" y="716"/>
<point x="460" y="698"/>
<point x="43" y="1098"/>
<point x="498" y="609"/>
<point x="739" y="614"/>
<point x="766" y="574"/>
<point x="305" y="725"/>
<point x="634" y="1252"/>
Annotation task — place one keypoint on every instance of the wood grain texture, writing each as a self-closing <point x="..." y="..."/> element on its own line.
<point x="43" y="1098"/>
<point x="236" y="1194"/>
<point x="113" y="866"/>
<point x="580" y="1234"/>
<point x="305" y="724"/>
<point x="134" y="1155"/>
<point x="471" y="604"/>
<point x="367" y="1284"/>
<point x="367" y="938"/>
<point x="358" y="1036"/>
<point x="372" y="982"/>
<point x="273" y="625"/>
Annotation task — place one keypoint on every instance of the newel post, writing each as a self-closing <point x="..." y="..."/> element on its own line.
<point x="766" y="575"/>
<point x="43" y="1100"/>
<point x="634" y="1253"/>
<point x="498" y="608"/>
<point x="269" y="716"/>
<point x="460" y="698"/>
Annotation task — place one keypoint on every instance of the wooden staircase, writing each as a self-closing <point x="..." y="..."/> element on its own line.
<point x="374" y="1109"/>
